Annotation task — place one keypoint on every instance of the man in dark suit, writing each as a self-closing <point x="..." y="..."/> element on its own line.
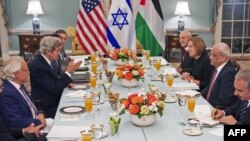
<point x="186" y="62"/>
<point x="45" y="85"/>
<point x="220" y="92"/>
<point x="61" y="63"/>
<point x="17" y="109"/>
<point x="14" y="134"/>
<point x="239" y="113"/>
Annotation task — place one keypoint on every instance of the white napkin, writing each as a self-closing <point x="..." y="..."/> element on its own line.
<point x="170" y="71"/>
<point x="78" y="58"/>
<point x="185" y="86"/>
<point x="78" y="93"/>
<point x="64" y="117"/>
<point x="164" y="62"/>
<point x="191" y="93"/>
<point x="49" y="123"/>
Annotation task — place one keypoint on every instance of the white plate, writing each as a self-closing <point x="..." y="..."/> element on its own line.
<point x="80" y="86"/>
<point x="72" y="110"/>
<point x="170" y="100"/>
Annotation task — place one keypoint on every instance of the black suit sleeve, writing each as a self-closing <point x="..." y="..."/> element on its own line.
<point x="226" y="91"/>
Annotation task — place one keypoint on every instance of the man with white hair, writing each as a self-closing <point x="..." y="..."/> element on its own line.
<point x="186" y="62"/>
<point x="17" y="108"/>
<point x="45" y="85"/>
<point x="220" y="92"/>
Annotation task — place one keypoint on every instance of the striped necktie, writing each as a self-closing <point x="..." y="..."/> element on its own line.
<point x="243" y="110"/>
<point x="211" y="84"/>
<point x="30" y="103"/>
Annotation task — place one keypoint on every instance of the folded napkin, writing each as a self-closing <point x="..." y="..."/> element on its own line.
<point x="78" y="93"/>
<point x="164" y="62"/>
<point x="169" y="71"/>
<point x="185" y="86"/>
<point x="190" y="93"/>
<point x="64" y="117"/>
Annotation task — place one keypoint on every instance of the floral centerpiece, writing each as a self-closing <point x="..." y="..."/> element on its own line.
<point x="129" y="74"/>
<point x="141" y="106"/>
<point x="122" y="56"/>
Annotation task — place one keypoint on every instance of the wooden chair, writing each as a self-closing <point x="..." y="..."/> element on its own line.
<point x="236" y="64"/>
<point x="77" y="49"/>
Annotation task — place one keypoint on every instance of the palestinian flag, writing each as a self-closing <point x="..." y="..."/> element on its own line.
<point x="150" y="26"/>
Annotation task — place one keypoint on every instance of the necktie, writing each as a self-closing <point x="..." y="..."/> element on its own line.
<point x="243" y="110"/>
<point x="184" y="55"/>
<point x="30" y="103"/>
<point x="211" y="84"/>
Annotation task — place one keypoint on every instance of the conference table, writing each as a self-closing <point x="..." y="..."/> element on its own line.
<point x="167" y="127"/>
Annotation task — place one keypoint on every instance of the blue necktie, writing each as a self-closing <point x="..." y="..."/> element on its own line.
<point x="30" y="103"/>
<point x="243" y="110"/>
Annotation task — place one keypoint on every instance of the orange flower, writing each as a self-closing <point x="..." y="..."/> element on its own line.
<point x="126" y="103"/>
<point x="134" y="109"/>
<point x="119" y="73"/>
<point x="137" y="100"/>
<point x="128" y="76"/>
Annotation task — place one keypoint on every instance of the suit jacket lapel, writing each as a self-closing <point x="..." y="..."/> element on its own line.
<point x="42" y="60"/>
<point x="20" y="97"/>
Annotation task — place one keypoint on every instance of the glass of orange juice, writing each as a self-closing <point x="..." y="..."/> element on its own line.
<point x="93" y="57"/>
<point x="88" y="103"/>
<point x="86" y="135"/>
<point x="157" y="65"/>
<point x="92" y="81"/>
<point x="94" y="67"/>
<point x="147" y="54"/>
<point x="191" y="105"/>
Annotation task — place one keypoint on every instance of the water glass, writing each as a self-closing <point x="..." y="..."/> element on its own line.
<point x="97" y="130"/>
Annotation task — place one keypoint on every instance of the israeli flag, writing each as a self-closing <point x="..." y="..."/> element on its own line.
<point x="121" y="25"/>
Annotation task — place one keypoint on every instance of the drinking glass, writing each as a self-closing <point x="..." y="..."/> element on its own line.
<point x="88" y="102"/>
<point x="96" y="98"/>
<point x="93" y="57"/>
<point x="107" y="88"/>
<point x="157" y="65"/>
<point x="147" y="54"/>
<point x="191" y="105"/>
<point x="192" y="130"/>
<point x="94" y="67"/>
<point x="86" y="135"/>
<point x="92" y="82"/>
<point x="181" y="102"/>
<point x="97" y="130"/>
<point x="170" y="81"/>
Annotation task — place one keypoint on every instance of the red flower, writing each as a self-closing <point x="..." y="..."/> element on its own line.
<point x="128" y="76"/>
<point x="141" y="72"/>
<point x="131" y="96"/>
<point x="134" y="109"/>
<point x="151" y="99"/>
<point x="114" y="57"/>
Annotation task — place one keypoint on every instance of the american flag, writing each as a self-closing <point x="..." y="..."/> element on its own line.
<point x="91" y="27"/>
